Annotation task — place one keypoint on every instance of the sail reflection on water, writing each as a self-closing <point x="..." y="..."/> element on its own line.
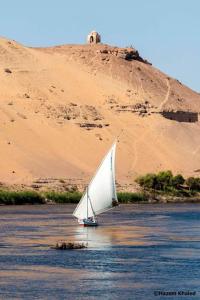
<point x="95" y="237"/>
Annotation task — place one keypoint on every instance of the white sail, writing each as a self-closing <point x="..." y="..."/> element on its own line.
<point x="101" y="191"/>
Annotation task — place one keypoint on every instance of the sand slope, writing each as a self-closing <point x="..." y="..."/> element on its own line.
<point x="52" y="93"/>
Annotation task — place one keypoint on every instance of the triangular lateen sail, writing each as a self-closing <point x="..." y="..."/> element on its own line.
<point x="101" y="191"/>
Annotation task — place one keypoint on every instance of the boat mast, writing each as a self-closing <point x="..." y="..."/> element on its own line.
<point x="87" y="201"/>
<point x="113" y="178"/>
<point x="91" y="206"/>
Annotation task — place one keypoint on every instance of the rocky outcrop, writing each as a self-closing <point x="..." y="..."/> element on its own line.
<point x="90" y="126"/>
<point x="141" y="108"/>
<point x="123" y="53"/>
<point x="181" y="116"/>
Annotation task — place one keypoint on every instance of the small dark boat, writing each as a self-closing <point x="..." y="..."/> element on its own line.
<point x="62" y="245"/>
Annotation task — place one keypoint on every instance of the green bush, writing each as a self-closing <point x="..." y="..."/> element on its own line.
<point x="63" y="197"/>
<point x="181" y="193"/>
<point x="177" y="181"/>
<point x="20" y="197"/>
<point x="164" y="180"/>
<point x="193" y="183"/>
<point x="128" y="197"/>
<point x="149" y="181"/>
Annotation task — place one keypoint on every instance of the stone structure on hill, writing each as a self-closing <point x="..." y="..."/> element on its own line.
<point x="128" y="54"/>
<point x="94" y="38"/>
<point x="181" y="116"/>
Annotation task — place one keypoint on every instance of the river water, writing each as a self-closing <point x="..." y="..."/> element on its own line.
<point x="139" y="252"/>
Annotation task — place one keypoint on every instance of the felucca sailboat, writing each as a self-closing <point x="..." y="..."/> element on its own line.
<point x="100" y="194"/>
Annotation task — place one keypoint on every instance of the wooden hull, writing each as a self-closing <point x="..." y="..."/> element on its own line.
<point x="88" y="223"/>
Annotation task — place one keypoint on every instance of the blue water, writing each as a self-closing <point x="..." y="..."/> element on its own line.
<point x="137" y="250"/>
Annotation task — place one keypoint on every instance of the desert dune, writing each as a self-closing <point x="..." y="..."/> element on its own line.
<point x="62" y="107"/>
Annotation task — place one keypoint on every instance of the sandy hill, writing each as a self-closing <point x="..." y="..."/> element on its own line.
<point x="61" y="108"/>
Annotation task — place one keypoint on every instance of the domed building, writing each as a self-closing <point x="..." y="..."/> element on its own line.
<point x="93" y="38"/>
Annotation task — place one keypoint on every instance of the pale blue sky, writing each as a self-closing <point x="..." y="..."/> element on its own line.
<point x="166" y="32"/>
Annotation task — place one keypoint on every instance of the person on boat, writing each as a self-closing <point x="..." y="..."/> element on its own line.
<point x="114" y="203"/>
<point x="90" y="219"/>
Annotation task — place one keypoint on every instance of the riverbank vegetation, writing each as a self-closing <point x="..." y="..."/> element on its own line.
<point x="128" y="197"/>
<point x="32" y="197"/>
<point x="62" y="197"/>
<point x="160" y="187"/>
<point x="21" y="197"/>
<point x="165" y="183"/>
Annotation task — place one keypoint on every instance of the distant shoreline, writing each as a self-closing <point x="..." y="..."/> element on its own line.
<point x="30" y="197"/>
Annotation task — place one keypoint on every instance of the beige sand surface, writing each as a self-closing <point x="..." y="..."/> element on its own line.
<point x="53" y="92"/>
